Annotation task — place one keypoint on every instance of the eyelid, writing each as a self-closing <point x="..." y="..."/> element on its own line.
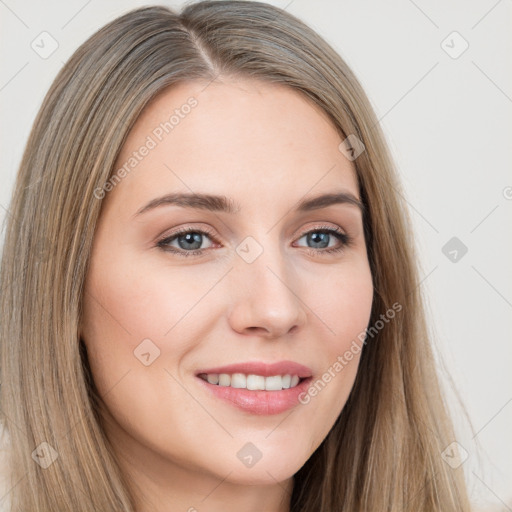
<point x="183" y="231"/>
<point x="319" y="227"/>
<point x="344" y="239"/>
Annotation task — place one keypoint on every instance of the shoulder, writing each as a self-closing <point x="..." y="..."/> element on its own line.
<point x="4" y="469"/>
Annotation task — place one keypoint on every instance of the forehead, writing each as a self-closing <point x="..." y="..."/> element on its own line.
<point x="236" y="134"/>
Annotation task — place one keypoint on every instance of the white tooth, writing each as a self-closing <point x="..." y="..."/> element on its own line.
<point x="255" y="382"/>
<point x="238" y="380"/>
<point x="295" y="381"/>
<point x="224" y="379"/>
<point x="273" y="383"/>
<point x="213" y="378"/>
<point x="287" y="379"/>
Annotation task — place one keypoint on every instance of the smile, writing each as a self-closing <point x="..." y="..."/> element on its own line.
<point x="252" y="382"/>
<point x="257" y="388"/>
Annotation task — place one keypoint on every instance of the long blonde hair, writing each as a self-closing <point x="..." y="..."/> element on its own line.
<point x="384" y="451"/>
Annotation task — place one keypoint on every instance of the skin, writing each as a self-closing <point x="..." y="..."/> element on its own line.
<point x="266" y="147"/>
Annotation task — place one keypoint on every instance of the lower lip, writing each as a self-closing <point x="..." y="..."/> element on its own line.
<point x="259" y="402"/>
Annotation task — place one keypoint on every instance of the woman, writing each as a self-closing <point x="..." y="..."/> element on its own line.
<point x="209" y="295"/>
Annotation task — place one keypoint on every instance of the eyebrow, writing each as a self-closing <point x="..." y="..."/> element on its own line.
<point x="220" y="203"/>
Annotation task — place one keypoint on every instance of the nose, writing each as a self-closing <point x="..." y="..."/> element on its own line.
<point x="266" y="297"/>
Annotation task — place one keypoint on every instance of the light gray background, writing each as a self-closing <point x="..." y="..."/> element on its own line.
<point x="449" y="125"/>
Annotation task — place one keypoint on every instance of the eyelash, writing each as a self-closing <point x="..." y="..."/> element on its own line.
<point x="340" y="235"/>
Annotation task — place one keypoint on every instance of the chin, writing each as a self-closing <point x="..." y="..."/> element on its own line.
<point x="262" y="476"/>
<point x="268" y="470"/>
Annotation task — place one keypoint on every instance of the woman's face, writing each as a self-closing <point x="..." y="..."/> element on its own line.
<point x="269" y="281"/>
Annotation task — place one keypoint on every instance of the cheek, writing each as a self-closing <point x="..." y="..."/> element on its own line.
<point x="141" y="320"/>
<point x="132" y="300"/>
<point x="138" y="326"/>
<point x="344" y="310"/>
<point x="343" y="303"/>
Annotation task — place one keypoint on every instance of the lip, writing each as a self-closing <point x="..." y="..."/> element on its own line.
<point x="263" y="369"/>
<point x="258" y="402"/>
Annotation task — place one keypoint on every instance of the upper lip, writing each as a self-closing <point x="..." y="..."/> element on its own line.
<point x="262" y="368"/>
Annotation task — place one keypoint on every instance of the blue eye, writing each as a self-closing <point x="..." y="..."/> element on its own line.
<point x="188" y="242"/>
<point x="322" y="238"/>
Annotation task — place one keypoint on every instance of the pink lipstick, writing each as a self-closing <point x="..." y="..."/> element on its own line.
<point x="256" y="387"/>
